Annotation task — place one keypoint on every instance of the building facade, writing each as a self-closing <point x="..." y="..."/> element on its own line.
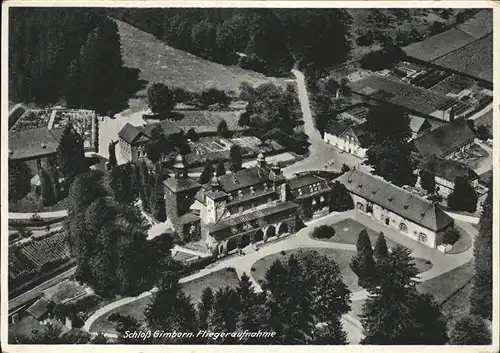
<point x="346" y="137"/>
<point x="312" y="193"/>
<point x="412" y="216"/>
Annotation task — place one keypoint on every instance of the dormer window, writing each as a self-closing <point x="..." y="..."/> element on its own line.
<point x="390" y="199"/>
<point x="252" y="190"/>
<point x="240" y="193"/>
<point x="406" y="207"/>
<point x="266" y="187"/>
<point x="422" y="214"/>
<point x="374" y="192"/>
<point x="360" y="186"/>
<point x="349" y="181"/>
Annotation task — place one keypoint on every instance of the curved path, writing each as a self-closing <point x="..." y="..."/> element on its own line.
<point x="44" y="215"/>
<point x="442" y="263"/>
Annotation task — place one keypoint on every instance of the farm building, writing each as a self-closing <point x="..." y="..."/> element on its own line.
<point x="446" y="141"/>
<point x="467" y="48"/>
<point x="415" y="98"/>
<point x="411" y="215"/>
<point x="345" y="136"/>
<point x="445" y="173"/>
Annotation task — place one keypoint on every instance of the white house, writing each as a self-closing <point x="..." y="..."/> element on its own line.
<point x="388" y="204"/>
<point x="345" y="136"/>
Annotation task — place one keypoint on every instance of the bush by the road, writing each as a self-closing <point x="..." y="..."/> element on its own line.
<point x="323" y="232"/>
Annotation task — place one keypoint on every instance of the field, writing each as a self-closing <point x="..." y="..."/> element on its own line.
<point x="207" y="121"/>
<point x="194" y="289"/>
<point x="158" y="62"/>
<point x="475" y="59"/>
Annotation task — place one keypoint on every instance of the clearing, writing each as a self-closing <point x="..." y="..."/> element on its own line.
<point x="159" y="62"/>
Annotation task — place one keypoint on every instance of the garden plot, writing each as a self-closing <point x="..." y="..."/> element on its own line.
<point x="84" y="122"/>
<point x="32" y="119"/>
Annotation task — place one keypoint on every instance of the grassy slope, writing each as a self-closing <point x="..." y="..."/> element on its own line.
<point x="159" y="62"/>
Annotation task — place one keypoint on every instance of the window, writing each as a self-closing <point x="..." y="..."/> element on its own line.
<point x="403" y="227"/>
<point x="240" y="209"/>
<point x="422" y="238"/>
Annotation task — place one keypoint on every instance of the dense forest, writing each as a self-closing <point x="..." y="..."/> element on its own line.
<point x="271" y="41"/>
<point x="65" y="53"/>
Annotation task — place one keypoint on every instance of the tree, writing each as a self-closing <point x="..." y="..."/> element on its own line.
<point x="48" y="197"/>
<point x="192" y="135"/>
<point x="221" y="169"/>
<point x="382" y="59"/>
<point x="213" y="96"/>
<point x="161" y="99"/>
<point x="363" y="264"/>
<point x="158" y="206"/>
<point x="121" y="182"/>
<point x="345" y="168"/>
<point x="157" y="145"/>
<point x="381" y="251"/>
<point x="207" y="173"/>
<point x="470" y="330"/>
<point x="236" y="158"/>
<point x="19" y="179"/>
<point x="224" y="314"/>
<point x="250" y="316"/>
<point x="437" y="27"/>
<point x="127" y="323"/>
<point x="171" y="310"/>
<point x="340" y="199"/>
<point x="484" y="132"/>
<point x="395" y="313"/>
<point x="71" y="154"/>
<point x="309" y="284"/>
<point x="481" y="298"/>
<point x="463" y="197"/>
<point x="451" y="236"/>
<point x="387" y="134"/>
<point x="112" y="153"/>
<point x="323" y="232"/>
<point x="223" y="130"/>
<point x="205" y="306"/>
<point x="427" y="181"/>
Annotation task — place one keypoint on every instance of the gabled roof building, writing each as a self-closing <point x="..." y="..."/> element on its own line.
<point x="397" y="208"/>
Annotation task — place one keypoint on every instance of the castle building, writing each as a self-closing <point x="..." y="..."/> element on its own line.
<point x="411" y="215"/>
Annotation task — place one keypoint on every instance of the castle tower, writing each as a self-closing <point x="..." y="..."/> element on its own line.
<point x="261" y="160"/>
<point x="279" y="181"/>
<point x="216" y="201"/>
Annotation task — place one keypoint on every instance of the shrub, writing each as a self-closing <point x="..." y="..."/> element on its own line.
<point x="323" y="232"/>
<point x="253" y="269"/>
<point x="451" y="236"/>
<point x="283" y="252"/>
<point x="113" y="317"/>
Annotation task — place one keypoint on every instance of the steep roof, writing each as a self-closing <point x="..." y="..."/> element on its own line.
<point x="418" y="124"/>
<point x="304" y="180"/>
<point x="449" y="170"/>
<point x="169" y="128"/>
<point x="32" y="143"/>
<point x="178" y="184"/>
<point x="129" y="132"/>
<point x="336" y="128"/>
<point x="39" y="308"/>
<point x="443" y="139"/>
<point x="395" y="199"/>
<point x="243" y="178"/>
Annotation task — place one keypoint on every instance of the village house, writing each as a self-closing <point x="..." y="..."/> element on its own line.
<point x="133" y="139"/>
<point x="445" y="173"/>
<point x="447" y="141"/>
<point x="411" y="215"/>
<point x="419" y="126"/>
<point x="346" y="136"/>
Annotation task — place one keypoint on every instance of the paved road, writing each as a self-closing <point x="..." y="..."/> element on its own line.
<point x="320" y="152"/>
<point x="480" y="113"/>
<point x="442" y="263"/>
<point x="44" y="215"/>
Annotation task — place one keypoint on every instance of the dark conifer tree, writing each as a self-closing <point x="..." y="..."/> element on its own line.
<point x="48" y="197"/>
<point x="381" y="251"/>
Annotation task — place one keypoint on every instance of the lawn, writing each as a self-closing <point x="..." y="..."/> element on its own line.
<point x="159" y="62"/>
<point x="444" y="286"/>
<point x="194" y="289"/>
<point x="347" y="231"/>
<point x="341" y="257"/>
<point x="33" y="203"/>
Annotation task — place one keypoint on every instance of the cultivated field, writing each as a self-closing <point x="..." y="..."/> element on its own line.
<point x="159" y="62"/>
